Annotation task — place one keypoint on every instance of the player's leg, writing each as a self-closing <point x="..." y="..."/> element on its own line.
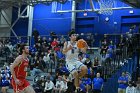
<point x="29" y="89"/>
<point x="82" y="68"/>
<point x="83" y="71"/>
<point x="74" y="72"/>
<point x="76" y="79"/>
<point x="26" y="88"/>
<point x="15" y="90"/>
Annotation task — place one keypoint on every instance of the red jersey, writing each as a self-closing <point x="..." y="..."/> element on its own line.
<point x="20" y="70"/>
<point x="54" y="43"/>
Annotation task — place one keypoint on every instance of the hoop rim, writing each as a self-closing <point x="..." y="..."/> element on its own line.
<point x="105" y="7"/>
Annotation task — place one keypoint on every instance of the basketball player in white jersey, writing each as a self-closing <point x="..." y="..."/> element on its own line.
<point x="71" y="52"/>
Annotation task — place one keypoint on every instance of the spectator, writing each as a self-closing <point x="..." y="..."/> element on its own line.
<point x="49" y="85"/>
<point x="42" y="64"/>
<point x="53" y="59"/>
<point x="87" y="83"/>
<point x="54" y="43"/>
<point x="9" y="45"/>
<point x="57" y="48"/>
<point x="39" y="40"/>
<point x="35" y="34"/>
<point x="96" y="66"/>
<point x="35" y="71"/>
<point x="41" y="84"/>
<point x="64" y="86"/>
<point x="81" y="57"/>
<point x="58" y="85"/>
<point x="69" y="79"/>
<point x="88" y="62"/>
<point x="38" y="48"/>
<point x="104" y="46"/>
<point x="130" y="88"/>
<point x="44" y="41"/>
<point x="82" y="87"/>
<point x="62" y="40"/>
<point x="137" y="90"/>
<point x="5" y="72"/>
<point x="123" y="80"/>
<point x="97" y="84"/>
<point x="60" y="56"/>
<point x="49" y="43"/>
<point x="50" y="77"/>
<point x="5" y="85"/>
<point x="46" y="59"/>
<point x="64" y="70"/>
<point x="89" y="72"/>
<point x="53" y="35"/>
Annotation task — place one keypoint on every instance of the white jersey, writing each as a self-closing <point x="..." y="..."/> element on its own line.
<point x="72" y="57"/>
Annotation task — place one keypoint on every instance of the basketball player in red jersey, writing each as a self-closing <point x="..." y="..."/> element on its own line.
<point x="18" y="71"/>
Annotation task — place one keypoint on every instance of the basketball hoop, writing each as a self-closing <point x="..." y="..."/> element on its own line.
<point x="106" y="7"/>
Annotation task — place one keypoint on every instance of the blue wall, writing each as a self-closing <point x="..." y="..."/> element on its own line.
<point x="122" y="17"/>
<point x="45" y="21"/>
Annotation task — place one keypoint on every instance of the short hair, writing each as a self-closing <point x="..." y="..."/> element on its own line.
<point x="130" y="82"/>
<point x="22" y="47"/>
<point x="71" y="32"/>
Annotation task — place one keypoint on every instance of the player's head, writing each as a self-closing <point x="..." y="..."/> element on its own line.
<point x="24" y="48"/>
<point x="72" y="35"/>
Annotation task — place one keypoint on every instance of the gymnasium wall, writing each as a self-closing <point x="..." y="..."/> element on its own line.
<point x="119" y="22"/>
<point x="45" y="21"/>
<point x="21" y="27"/>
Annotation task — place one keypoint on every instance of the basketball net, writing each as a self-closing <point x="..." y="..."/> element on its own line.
<point x="106" y="7"/>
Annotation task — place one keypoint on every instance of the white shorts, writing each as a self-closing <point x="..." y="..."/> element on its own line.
<point x="74" y="66"/>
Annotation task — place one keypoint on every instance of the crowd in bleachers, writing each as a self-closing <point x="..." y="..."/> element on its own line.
<point x="46" y="55"/>
<point x="115" y="52"/>
<point x="5" y="78"/>
<point x="126" y="85"/>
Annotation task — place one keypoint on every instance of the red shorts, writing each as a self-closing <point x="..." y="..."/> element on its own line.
<point x="17" y="88"/>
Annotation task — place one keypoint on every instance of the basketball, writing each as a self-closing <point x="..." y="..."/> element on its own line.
<point x="81" y="43"/>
